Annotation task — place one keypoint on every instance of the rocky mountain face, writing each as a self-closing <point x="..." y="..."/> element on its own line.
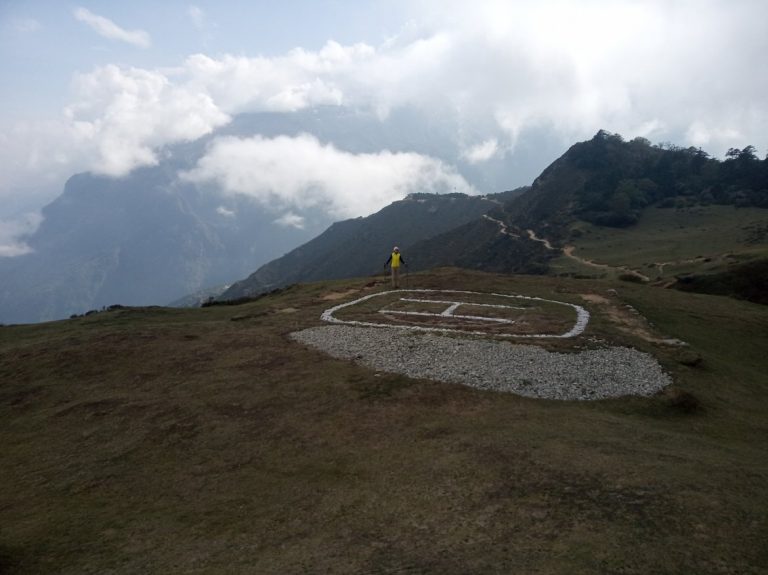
<point x="140" y="240"/>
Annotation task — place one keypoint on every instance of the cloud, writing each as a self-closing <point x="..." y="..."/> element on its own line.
<point x="37" y="158"/>
<point x="124" y="115"/>
<point x="227" y="213"/>
<point x="497" y="70"/>
<point x="701" y="133"/>
<point x="571" y="68"/>
<point x="688" y="72"/>
<point x="204" y="25"/>
<point x="108" y="29"/>
<point x="291" y="220"/>
<point x="288" y="83"/>
<point x="13" y="233"/>
<point x="301" y="172"/>
<point x="481" y="152"/>
<point x="197" y="16"/>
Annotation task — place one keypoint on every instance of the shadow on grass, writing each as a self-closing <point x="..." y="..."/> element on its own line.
<point x="11" y="560"/>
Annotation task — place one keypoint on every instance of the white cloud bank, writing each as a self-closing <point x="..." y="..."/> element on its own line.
<point x="108" y="29"/>
<point x="690" y="72"/>
<point x="122" y="116"/>
<point x="301" y="172"/>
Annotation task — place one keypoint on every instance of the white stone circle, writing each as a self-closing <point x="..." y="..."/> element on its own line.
<point x="453" y="303"/>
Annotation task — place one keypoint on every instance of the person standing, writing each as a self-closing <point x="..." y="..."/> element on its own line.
<point x="394" y="261"/>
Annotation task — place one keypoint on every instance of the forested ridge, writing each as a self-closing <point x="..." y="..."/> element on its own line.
<point x="618" y="178"/>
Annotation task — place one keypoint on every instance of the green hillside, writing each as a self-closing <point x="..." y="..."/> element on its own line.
<point x="155" y="440"/>
<point x="667" y="242"/>
<point x="609" y="182"/>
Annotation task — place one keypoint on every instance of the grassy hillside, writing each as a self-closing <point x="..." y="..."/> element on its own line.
<point x="667" y="242"/>
<point x="206" y="441"/>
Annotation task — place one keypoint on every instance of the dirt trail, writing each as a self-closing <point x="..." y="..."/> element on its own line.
<point x="535" y="238"/>
<point x="567" y="251"/>
<point x="503" y="229"/>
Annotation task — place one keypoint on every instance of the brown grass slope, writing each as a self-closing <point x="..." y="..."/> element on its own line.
<point x="206" y="441"/>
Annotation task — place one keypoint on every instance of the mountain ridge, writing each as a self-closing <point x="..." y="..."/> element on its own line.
<point x="142" y="240"/>
<point x="604" y="183"/>
<point x="360" y="246"/>
<point x="153" y="236"/>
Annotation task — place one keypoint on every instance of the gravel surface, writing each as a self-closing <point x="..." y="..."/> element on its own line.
<point x="526" y="370"/>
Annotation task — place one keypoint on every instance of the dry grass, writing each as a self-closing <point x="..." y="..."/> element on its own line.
<point x="181" y="441"/>
<point x="526" y="317"/>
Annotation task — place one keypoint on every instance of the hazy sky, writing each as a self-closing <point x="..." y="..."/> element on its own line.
<point x="102" y="85"/>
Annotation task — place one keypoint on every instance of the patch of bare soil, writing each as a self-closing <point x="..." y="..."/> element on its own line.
<point x="372" y="284"/>
<point x="337" y="295"/>
<point x="628" y="319"/>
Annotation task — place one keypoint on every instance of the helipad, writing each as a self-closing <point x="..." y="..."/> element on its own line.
<point x="502" y="315"/>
